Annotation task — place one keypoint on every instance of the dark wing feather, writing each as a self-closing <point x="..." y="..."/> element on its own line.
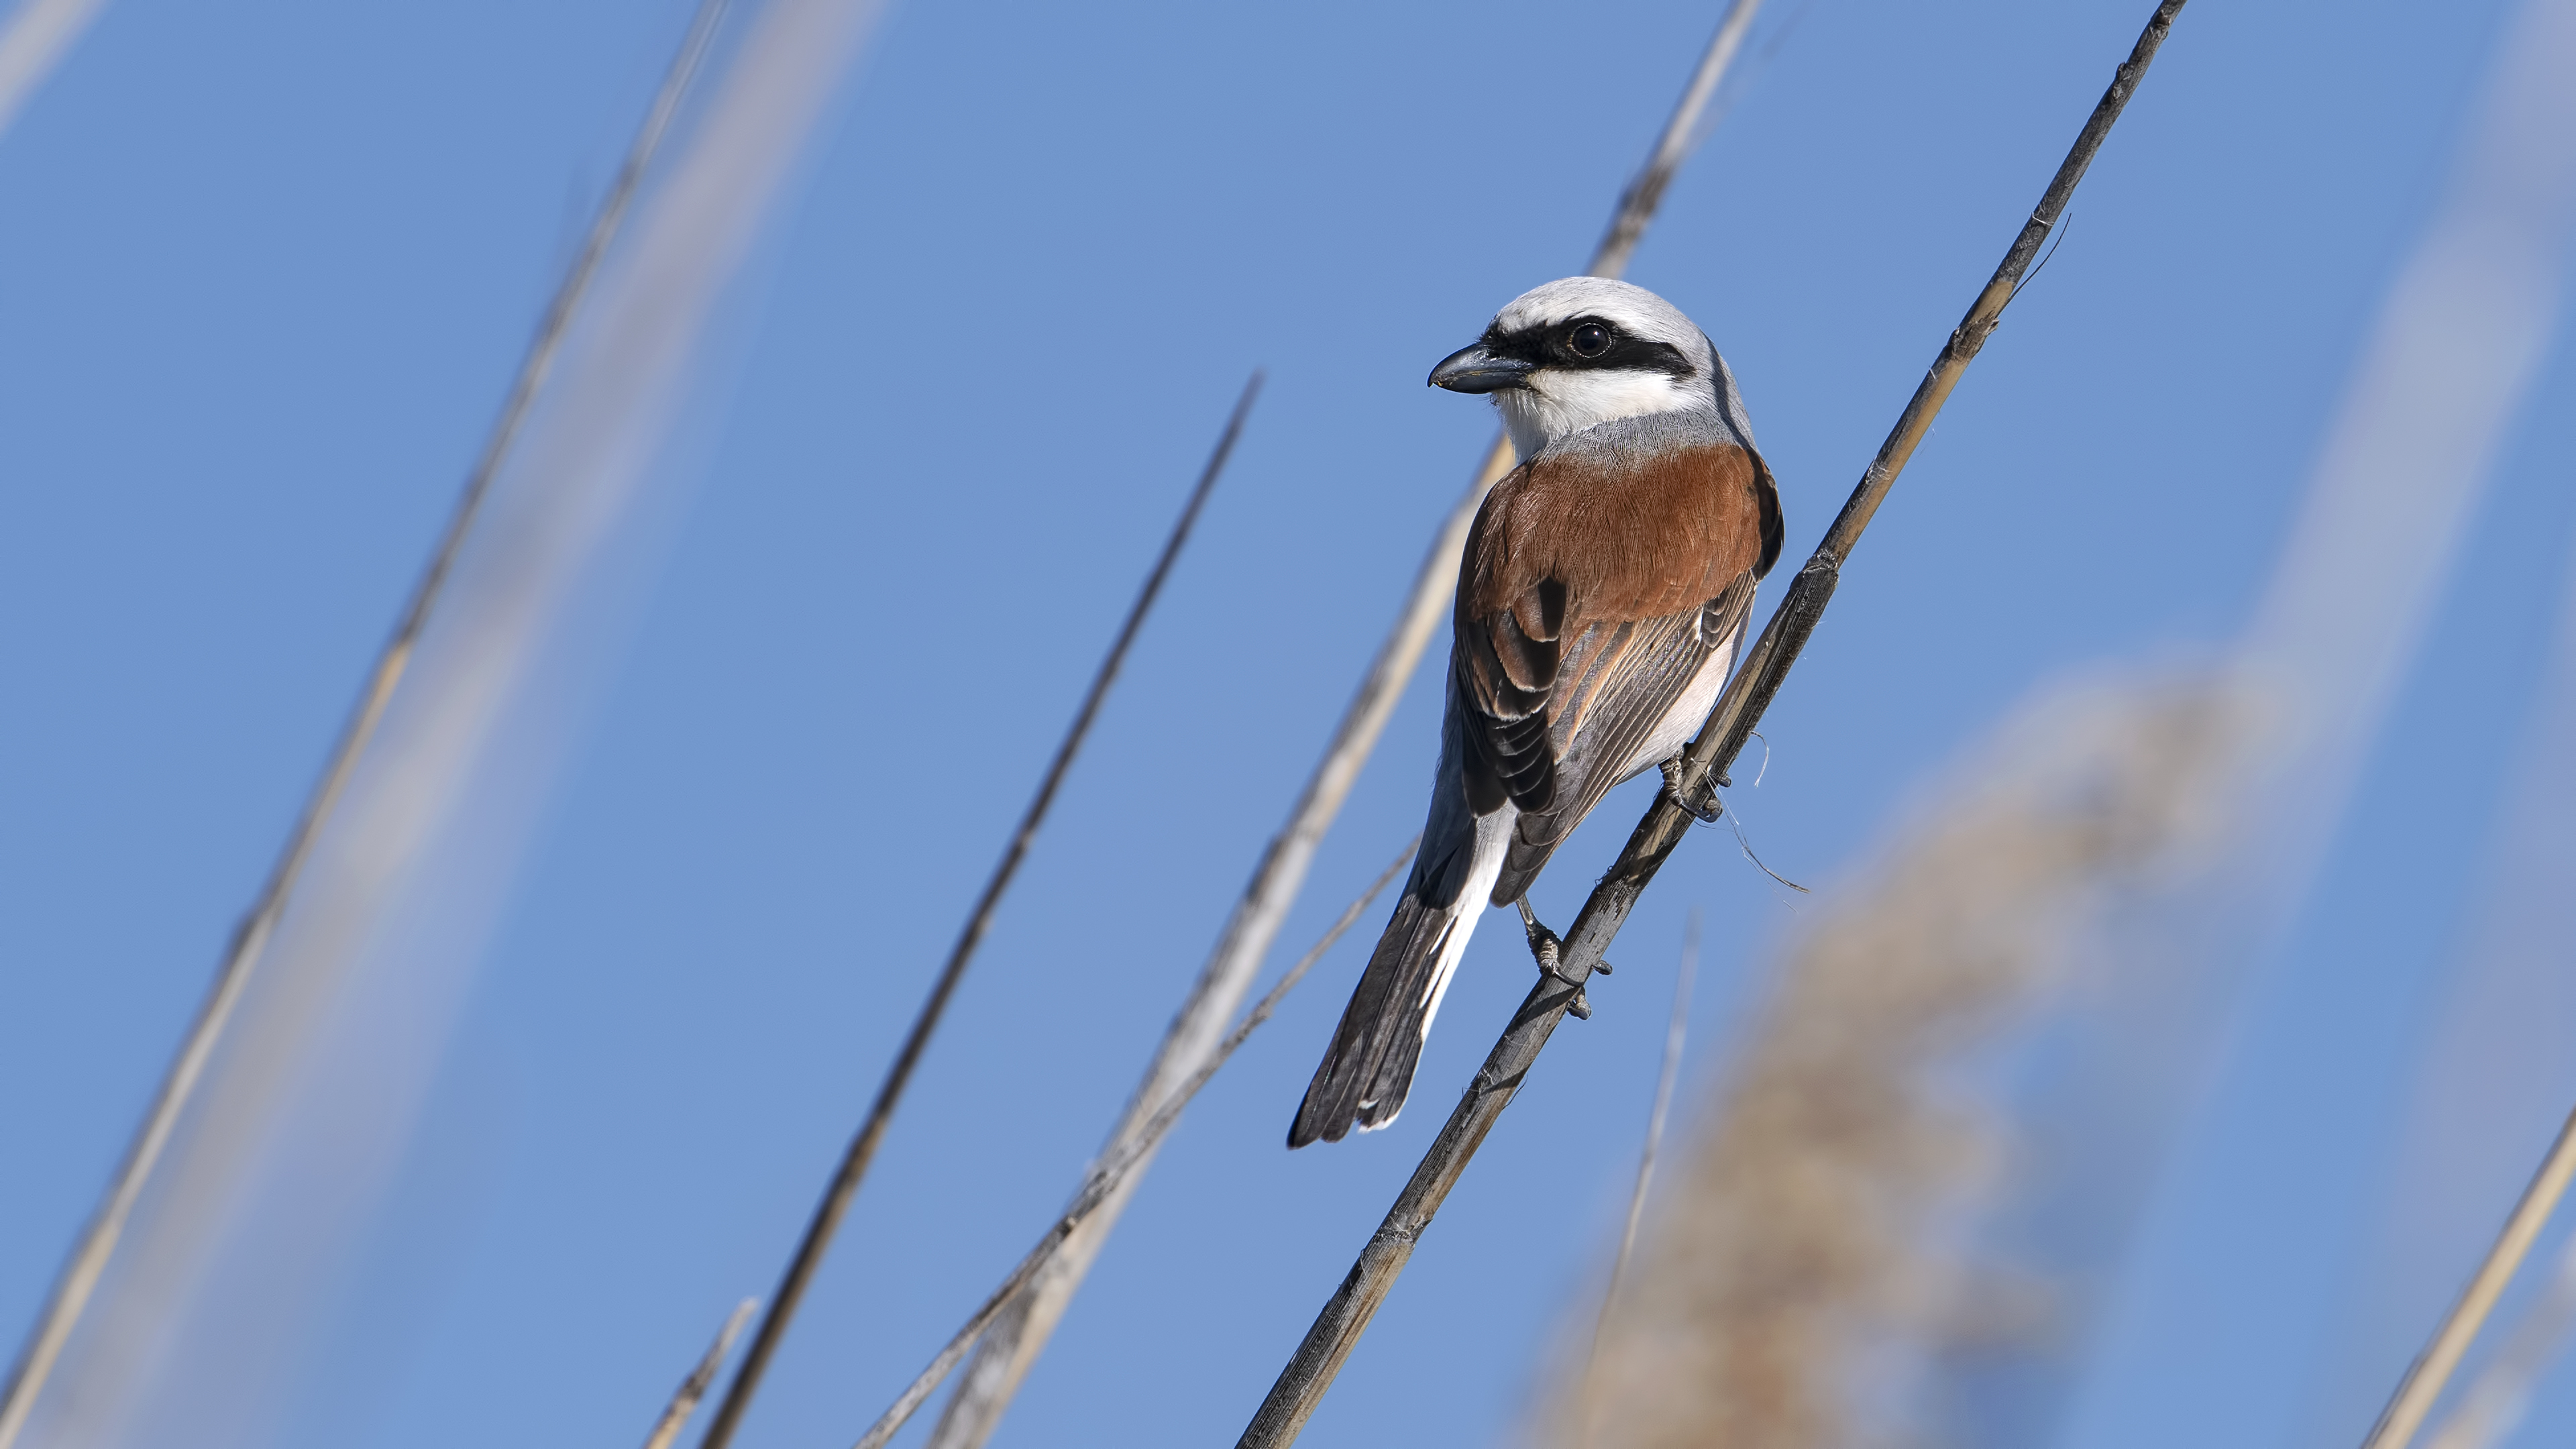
<point x="1505" y="679"/>
<point x="1625" y="679"/>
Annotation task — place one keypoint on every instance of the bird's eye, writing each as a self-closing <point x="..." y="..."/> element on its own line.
<point x="1589" y="340"/>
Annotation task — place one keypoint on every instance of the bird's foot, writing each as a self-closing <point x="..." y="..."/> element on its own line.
<point x="1548" y="949"/>
<point x="1707" y="811"/>
<point x="1545" y="945"/>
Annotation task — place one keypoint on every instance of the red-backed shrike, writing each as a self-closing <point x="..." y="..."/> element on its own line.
<point x="1601" y="599"/>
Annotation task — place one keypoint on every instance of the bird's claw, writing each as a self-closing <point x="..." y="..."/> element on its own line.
<point x="1707" y="812"/>
<point x="1548" y="949"/>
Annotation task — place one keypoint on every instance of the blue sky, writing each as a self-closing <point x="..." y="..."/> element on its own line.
<point x="265" y="270"/>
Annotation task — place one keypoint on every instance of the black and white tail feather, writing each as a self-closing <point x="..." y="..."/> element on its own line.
<point x="1364" y="1078"/>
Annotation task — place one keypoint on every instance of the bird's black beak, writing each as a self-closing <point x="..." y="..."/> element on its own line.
<point x="1473" y="369"/>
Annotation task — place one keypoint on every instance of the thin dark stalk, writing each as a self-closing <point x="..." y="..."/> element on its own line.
<point x="1113" y="1170"/>
<point x="1674" y="1033"/>
<point x="1302" y="1384"/>
<point x="684" y="1399"/>
<point x="1003" y="1358"/>
<point x="89" y="1257"/>
<point x="863" y="1146"/>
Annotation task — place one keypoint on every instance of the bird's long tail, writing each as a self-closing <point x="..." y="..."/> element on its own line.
<point x="1364" y="1078"/>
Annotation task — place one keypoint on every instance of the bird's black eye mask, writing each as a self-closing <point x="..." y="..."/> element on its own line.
<point x="1587" y="342"/>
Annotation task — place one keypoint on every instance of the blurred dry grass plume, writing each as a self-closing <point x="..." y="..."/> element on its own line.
<point x="1812" y="1243"/>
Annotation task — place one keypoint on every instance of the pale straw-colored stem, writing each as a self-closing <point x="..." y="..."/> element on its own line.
<point x="2432" y="1370"/>
<point x="1106" y="1180"/>
<point x="2496" y="1401"/>
<point x="34" y="40"/>
<point x="684" y="1399"/>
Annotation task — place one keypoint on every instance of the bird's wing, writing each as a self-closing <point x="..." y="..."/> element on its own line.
<point x="1594" y="589"/>
<point x="1624" y="687"/>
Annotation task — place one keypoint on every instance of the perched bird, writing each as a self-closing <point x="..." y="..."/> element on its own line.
<point x="1601" y="598"/>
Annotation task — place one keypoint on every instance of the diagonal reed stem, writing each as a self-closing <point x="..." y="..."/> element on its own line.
<point x="89" y="1257"/>
<point x="33" y="40"/>
<point x="863" y="1146"/>
<point x="1104" y="1181"/>
<point x="1002" y="1359"/>
<point x="2432" y="1370"/>
<point x="2497" y="1401"/>
<point x="1682" y="133"/>
<point x="1336" y="1331"/>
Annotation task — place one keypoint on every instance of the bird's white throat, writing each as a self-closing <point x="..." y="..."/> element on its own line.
<point x="1557" y="401"/>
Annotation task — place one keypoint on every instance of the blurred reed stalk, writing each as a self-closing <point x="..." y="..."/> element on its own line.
<point x="89" y="1257"/>
<point x="1812" y="1229"/>
<point x="684" y="1399"/>
<point x="2442" y="368"/>
<point x="2430" y="1373"/>
<point x="1003" y="1358"/>
<point x="863" y="1146"/>
<point x="1103" y="1185"/>
<point x="33" y="41"/>
<point x="1674" y="1033"/>
<point x="1309" y="1373"/>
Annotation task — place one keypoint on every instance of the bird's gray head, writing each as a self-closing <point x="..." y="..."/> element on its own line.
<point x="1584" y="351"/>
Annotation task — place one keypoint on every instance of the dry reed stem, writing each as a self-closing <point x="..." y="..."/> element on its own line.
<point x="1807" y="1230"/>
<point x="1020" y="1333"/>
<point x="1336" y="1330"/>
<point x="89" y="1257"/>
<point x="684" y="1399"/>
<point x="853" y="1168"/>
<point x="1106" y="1180"/>
<point x="2428" y="1375"/>
<point x="1681" y="135"/>
<point x="36" y="36"/>
<point x="2496" y="1401"/>
<point x="1003" y="1358"/>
